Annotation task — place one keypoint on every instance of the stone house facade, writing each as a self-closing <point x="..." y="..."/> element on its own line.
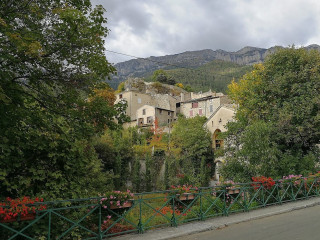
<point x="147" y="114"/>
<point x="136" y="100"/>
<point x="204" y="106"/>
<point x="216" y="124"/>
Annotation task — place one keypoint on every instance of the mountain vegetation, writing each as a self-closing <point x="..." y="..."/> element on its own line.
<point x="216" y="75"/>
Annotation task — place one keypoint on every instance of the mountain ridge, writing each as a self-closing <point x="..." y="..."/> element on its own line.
<point x="143" y="67"/>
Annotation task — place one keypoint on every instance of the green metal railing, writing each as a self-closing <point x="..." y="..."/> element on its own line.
<point x="89" y="219"/>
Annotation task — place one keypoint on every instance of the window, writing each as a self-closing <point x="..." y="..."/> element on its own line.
<point x="120" y="96"/>
<point x="143" y="112"/>
<point x="139" y="100"/>
<point x="194" y="105"/>
<point x="168" y="120"/>
<point x="160" y="111"/>
<point x="191" y="113"/>
<point x="211" y="108"/>
<point x="140" y="121"/>
<point x="169" y="113"/>
<point x="200" y="112"/>
<point x="149" y="120"/>
<point x="218" y="144"/>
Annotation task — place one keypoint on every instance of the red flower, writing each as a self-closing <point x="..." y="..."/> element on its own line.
<point x="12" y="208"/>
<point x="267" y="183"/>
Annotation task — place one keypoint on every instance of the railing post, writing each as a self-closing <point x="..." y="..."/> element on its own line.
<point x="225" y="212"/>
<point x="49" y="226"/>
<point x="263" y="193"/>
<point x="292" y="193"/>
<point x="100" y="217"/>
<point x="278" y="193"/>
<point x="140" y="225"/>
<point x="173" y="219"/>
<point x="307" y="191"/>
<point x="201" y="212"/>
<point x="242" y="191"/>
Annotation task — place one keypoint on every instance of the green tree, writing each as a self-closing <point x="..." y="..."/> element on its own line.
<point x="161" y="76"/>
<point x="193" y="143"/>
<point x="137" y="178"/>
<point x="278" y="121"/>
<point x="51" y="60"/>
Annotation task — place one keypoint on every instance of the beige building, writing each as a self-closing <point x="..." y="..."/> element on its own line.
<point x="147" y="114"/>
<point x="135" y="100"/>
<point x="204" y="106"/>
<point x="216" y="124"/>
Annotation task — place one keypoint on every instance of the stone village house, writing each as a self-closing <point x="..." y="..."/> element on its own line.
<point x="216" y="124"/>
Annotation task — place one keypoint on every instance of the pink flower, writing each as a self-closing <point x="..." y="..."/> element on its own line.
<point x="108" y="216"/>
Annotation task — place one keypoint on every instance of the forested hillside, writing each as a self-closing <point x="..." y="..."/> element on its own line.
<point x="215" y="75"/>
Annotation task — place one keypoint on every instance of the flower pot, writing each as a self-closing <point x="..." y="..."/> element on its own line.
<point x="125" y="205"/>
<point x="233" y="191"/>
<point x="28" y="217"/>
<point x="185" y="196"/>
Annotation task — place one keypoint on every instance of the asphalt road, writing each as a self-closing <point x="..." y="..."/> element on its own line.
<point x="303" y="224"/>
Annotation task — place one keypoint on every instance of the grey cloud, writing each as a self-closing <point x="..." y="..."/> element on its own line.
<point x="169" y="27"/>
<point x="131" y="13"/>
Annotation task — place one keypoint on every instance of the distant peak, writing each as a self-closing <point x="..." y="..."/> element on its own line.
<point x="249" y="48"/>
<point x="313" y="46"/>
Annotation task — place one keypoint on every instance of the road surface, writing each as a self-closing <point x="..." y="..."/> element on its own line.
<point x="303" y="224"/>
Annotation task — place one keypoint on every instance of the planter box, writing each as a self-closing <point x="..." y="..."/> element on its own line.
<point x="28" y="217"/>
<point x="233" y="191"/>
<point x="126" y="205"/>
<point x="185" y="196"/>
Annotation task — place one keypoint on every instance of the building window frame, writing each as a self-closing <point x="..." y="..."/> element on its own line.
<point x="195" y="104"/>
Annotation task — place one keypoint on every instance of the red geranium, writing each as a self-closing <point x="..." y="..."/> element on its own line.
<point x="267" y="183"/>
<point x="12" y="208"/>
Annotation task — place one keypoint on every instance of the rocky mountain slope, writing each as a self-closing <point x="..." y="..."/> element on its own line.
<point x="191" y="59"/>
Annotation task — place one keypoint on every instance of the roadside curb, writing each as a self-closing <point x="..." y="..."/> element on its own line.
<point x="221" y="222"/>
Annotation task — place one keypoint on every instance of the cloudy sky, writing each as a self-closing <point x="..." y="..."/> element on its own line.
<point x="146" y="28"/>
